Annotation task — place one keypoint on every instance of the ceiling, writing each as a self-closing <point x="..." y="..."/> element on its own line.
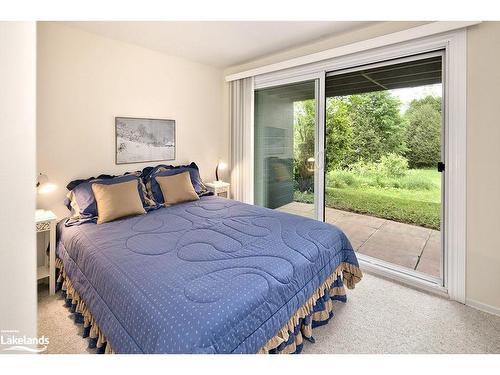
<point x="219" y="43"/>
<point x="388" y="77"/>
<point x="414" y="73"/>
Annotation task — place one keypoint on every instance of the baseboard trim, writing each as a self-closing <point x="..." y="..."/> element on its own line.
<point x="483" y="307"/>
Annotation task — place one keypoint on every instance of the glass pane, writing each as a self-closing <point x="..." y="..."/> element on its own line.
<point x="284" y="139"/>
<point x="383" y="145"/>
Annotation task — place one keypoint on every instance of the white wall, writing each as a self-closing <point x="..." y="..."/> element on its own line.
<point x="483" y="160"/>
<point x="17" y="173"/>
<point x="85" y="80"/>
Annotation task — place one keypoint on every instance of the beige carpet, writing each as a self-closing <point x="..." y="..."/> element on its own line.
<point x="380" y="317"/>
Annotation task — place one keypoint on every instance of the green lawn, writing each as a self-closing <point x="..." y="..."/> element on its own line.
<point x="413" y="199"/>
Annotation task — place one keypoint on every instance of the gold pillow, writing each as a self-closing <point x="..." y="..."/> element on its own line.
<point x="117" y="200"/>
<point x="177" y="188"/>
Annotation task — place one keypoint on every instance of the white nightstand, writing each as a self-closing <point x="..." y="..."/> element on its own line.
<point x="46" y="222"/>
<point x="219" y="188"/>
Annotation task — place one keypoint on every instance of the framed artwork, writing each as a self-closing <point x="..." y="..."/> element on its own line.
<point x="139" y="140"/>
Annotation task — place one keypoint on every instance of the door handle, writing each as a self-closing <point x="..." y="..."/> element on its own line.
<point x="319" y="160"/>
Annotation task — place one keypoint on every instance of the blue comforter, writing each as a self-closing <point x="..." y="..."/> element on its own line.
<point x="211" y="276"/>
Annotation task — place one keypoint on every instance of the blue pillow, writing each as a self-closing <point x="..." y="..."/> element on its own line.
<point x="194" y="174"/>
<point x="83" y="206"/>
<point x="148" y="172"/>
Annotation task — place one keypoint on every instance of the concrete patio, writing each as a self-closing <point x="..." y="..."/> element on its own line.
<point x="406" y="245"/>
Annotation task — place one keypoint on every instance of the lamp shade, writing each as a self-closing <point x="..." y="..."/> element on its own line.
<point x="220" y="167"/>
<point x="310" y="164"/>
<point x="44" y="185"/>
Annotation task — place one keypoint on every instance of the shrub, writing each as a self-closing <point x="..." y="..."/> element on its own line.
<point x="393" y="165"/>
<point x="341" y="178"/>
<point x="304" y="197"/>
<point x="376" y="203"/>
<point x="416" y="182"/>
<point x="364" y="168"/>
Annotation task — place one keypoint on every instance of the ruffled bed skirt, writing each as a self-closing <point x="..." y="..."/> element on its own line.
<point x="81" y="313"/>
<point x="316" y="311"/>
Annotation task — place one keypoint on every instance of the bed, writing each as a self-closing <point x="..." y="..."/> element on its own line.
<point x="209" y="276"/>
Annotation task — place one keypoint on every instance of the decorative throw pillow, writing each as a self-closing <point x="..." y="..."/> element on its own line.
<point x="148" y="173"/>
<point x="117" y="200"/>
<point x="81" y="201"/>
<point x="153" y="188"/>
<point x="177" y="188"/>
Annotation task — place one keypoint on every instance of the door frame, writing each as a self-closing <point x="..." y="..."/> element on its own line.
<point x="455" y="46"/>
<point x="437" y="283"/>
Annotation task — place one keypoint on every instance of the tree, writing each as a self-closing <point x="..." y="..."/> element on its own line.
<point x="378" y="127"/>
<point x="337" y="143"/>
<point x="423" y="132"/>
<point x="339" y="130"/>
<point x="358" y="127"/>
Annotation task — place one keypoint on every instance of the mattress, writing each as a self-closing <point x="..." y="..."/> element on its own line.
<point x="210" y="276"/>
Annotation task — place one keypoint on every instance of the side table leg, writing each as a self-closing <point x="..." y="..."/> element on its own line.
<point x="52" y="260"/>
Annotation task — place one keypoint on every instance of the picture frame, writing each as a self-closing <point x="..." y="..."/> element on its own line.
<point x="142" y="140"/>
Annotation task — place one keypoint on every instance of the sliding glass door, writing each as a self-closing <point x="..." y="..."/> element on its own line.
<point x="285" y="147"/>
<point x="383" y="162"/>
<point x="361" y="148"/>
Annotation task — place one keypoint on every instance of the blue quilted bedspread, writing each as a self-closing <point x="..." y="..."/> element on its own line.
<point x="211" y="276"/>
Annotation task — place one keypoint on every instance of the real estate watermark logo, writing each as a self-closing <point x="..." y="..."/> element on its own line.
<point x="11" y="341"/>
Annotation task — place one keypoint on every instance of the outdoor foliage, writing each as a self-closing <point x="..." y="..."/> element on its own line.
<point x="369" y="126"/>
<point x="414" y="179"/>
<point x="340" y="132"/>
<point x="304" y="128"/>
<point x="378" y="127"/>
<point x="378" y="160"/>
<point x="393" y="165"/>
<point x="414" y="198"/>
<point x="423" y="132"/>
